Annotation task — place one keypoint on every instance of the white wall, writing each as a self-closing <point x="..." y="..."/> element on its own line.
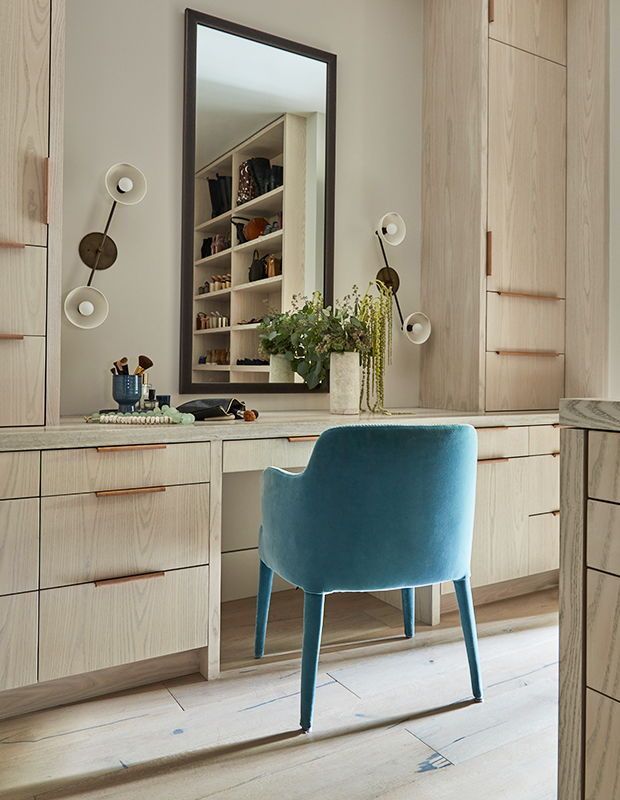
<point x="124" y="100"/>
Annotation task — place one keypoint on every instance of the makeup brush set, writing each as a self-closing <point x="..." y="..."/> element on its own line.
<point x="121" y="367"/>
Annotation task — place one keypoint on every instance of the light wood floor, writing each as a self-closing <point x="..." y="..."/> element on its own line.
<point x="393" y="717"/>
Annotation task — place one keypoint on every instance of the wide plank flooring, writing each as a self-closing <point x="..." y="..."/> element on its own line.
<point x="394" y="718"/>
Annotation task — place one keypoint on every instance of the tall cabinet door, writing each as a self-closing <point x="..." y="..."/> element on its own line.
<point x="24" y="120"/>
<point x="527" y="172"/>
<point x="537" y="26"/>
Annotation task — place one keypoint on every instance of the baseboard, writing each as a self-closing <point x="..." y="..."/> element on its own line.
<point x="501" y="591"/>
<point x="92" y="684"/>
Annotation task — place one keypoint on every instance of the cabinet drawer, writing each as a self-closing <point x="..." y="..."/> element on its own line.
<point x="258" y="454"/>
<point x="502" y="442"/>
<point x="543" y="543"/>
<point x="18" y="640"/>
<point x="524" y="323"/>
<point x="543" y="485"/>
<point x="603" y="536"/>
<point x="604" y="466"/>
<point x="521" y="383"/>
<point x="93" y="626"/>
<point x="23" y="273"/>
<point x="602" y="739"/>
<point x="126" y="467"/>
<point x="22" y="388"/>
<point x="603" y="633"/>
<point x="19" y="475"/>
<point x="88" y="537"/>
<point x="19" y="546"/>
<point x="544" y="439"/>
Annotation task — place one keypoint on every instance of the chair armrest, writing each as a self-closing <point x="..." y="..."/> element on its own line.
<point x="284" y="505"/>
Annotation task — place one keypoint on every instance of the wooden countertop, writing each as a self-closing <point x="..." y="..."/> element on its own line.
<point x="74" y="432"/>
<point x="590" y="413"/>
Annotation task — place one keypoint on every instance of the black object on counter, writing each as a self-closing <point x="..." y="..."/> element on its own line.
<point x="214" y="408"/>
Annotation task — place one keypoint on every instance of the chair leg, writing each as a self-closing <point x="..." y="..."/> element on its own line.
<point x="468" y="623"/>
<point x="313" y="625"/>
<point x="265" y="581"/>
<point x="408" y="603"/>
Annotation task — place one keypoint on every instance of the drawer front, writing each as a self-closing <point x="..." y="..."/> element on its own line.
<point x="602" y="735"/>
<point x="543" y="485"/>
<point x="522" y="383"/>
<point x="23" y="273"/>
<point x="544" y="439"/>
<point x="502" y="442"/>
<point x="96" y="469"/>
<point x="603" y="633"/>
<point x="604" y="466"/>
<point x="19" y="475"/>
<point x="22" y="388"/>
<point x="90" y="627"/>
<point x="19" y="546"/>
<point x="258" y="454"/>
<point x="88" y="537"/>
<point x="18" y="640"/>
<point x="524" y="323"/>
<point x="543" y="543"/>
<point x="603" y="536"/>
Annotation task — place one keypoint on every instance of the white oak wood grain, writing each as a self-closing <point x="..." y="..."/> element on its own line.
<point x="90" y="627"/>
<point x="604" y="466"/>
<point x="587" y="213"/>
<point x="603" y="633"/>
<point x="543" y="543"/>
<point x="603" y="540"/>
<point x="524" y="323"/>
<point x="18" y="640"/>
<point x="504" y="590"/>
<point x="210" y="667"/>
<point x="543" y="489"/>
<point x="24" y="98"/>
<point x="572" y="634"/>
<point x="251" y="455"/>
<point x="86" y="538"/>
<point x="19" y="545"/>
<point x="90" y="470"/>
<point x="502" y="442"/>
<point x="602" y="734"/>
<point x="19" y="475"/>
<point x="521" y="382"/>
<point x="22" y="300"/>
<point x="22" y="388"/>
<point x="538" y="26"/>
<point x="544" y="439"/>
<point x="527" y="172"/>
<point x="454" y="120"/>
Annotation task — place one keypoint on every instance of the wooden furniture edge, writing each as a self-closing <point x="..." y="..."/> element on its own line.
<point x="503" y="590"/>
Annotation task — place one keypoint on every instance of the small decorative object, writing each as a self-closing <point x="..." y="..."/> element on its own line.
<point x="127" y="391"/>
<point x="273" y="266"/>
<point x="255" y="228"/>
<point x="344" y="383"/>
<point x="249" y="416"/>
<point x="258" y="268"/>
<point x="166" y="415"/>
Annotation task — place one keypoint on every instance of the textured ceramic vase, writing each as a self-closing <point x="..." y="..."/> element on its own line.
<point x="280" y="370"/>
<point x="344" y="383"/>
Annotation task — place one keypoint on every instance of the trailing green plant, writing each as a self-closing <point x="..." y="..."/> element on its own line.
<point x="375" y="312"/>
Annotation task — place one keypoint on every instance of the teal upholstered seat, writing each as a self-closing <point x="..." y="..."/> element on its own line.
<point x="378" y="507"/>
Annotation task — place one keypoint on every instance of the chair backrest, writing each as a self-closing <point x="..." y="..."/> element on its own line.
<point x="391" y="505"/>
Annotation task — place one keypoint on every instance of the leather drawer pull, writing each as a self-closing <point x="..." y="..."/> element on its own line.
<point x="125" y="448"/>
<point x="121" y="492"/>
<point x="542" y="353"/>
<point x="492" y="460"/>
<point x="556" y="513"/>
<point x="130" y="578"/>
<point x="531" y="296"/>
<point x="11" y="336"/>
<point x="302" y="438"/>
<point x="12" y="246"/>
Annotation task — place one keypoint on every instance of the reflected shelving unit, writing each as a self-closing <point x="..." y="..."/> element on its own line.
<point x="283" y="142"/>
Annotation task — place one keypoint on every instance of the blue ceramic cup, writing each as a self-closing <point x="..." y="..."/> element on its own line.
<point x="126" y="390"/>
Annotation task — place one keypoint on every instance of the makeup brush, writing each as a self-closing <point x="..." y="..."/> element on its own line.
<point x="122" y="366"/>
<point x="144" y="363"/>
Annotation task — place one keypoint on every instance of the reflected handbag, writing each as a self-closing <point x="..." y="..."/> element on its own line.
<point x="258" y="269"/>
<point x="273" y="266"/>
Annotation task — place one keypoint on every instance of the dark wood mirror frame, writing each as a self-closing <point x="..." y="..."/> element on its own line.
<point x="192" y="20"/>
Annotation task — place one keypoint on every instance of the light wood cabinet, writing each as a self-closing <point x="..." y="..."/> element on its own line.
<point x="502" y="442"/>
<point x="18" y="640"/>
<point x="524" y="323"/>
<point x="518" y="381"/>
<point x="536" y="26"/>
<point x="19" y="474"/>
<point x="19" y="545"/>
<point x="602" y="745"/>
<point x="543" y="542"/>
<point x="22" y="388"/>
<point x="603" y="633"/>
<point x="257" y="454"/>
<point x="23" y="273"/>
<point x="604" y="466"/>
<point x="603" y="545"/>
<point x="98" y="625"/>
<point x="544" y="439"/>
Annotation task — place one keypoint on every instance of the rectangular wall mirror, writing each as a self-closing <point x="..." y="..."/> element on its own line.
<point x="258" y="196"/>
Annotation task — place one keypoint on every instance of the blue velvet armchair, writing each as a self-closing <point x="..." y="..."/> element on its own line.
<point x="378" y="507"/>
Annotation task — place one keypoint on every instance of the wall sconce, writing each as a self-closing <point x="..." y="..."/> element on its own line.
<point x="84" y="306"/>
<point x="392" y="230"/>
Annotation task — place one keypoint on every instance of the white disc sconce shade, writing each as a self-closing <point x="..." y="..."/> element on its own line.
<point x="126" y="184"/>
<point x="392" y="228"/>
<point x="417" y="327"/>
<point x="86" y="307"/>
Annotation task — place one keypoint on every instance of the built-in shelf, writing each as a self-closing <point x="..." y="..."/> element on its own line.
<point x="250" y="368"/>
<point x="260" y="242"/>
<point x="264" y="205"/>
<point x="252" y="326"/>
<point x="221" y="256"/>
<point x="220" y="222"/>
<point x="213" y="330"/>
<point x="263" y="286"/>
<point x="207" y="295"/>
<point x="212" y="367"/>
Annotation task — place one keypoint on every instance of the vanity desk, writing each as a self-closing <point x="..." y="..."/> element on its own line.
<point x="112" y="545"/>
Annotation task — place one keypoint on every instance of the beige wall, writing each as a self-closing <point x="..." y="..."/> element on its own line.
<point x="124" y="103"/>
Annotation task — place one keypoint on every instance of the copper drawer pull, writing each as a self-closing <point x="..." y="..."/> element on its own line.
<point x="489" y="264"/>
<point x="493" y="428"/>
<point x="529" y="295"/>
<point x="130" y="578"/>
<point x="11" y="336"/>
<point x="12" y="246"/>
<point x="47" y="189"/>
<point x="492" y="460"/>
<point x="121" y="492"/>
<point x="555" y="455"/>
<point x="125" y="448"/>
<point x="556" y="513"/>
<point x="302" y="438"/>
<point x="543" y="353"/>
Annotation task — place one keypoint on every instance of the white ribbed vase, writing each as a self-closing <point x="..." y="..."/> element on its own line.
<point x="280" y="370"/>
<point x="344" y="383"/>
